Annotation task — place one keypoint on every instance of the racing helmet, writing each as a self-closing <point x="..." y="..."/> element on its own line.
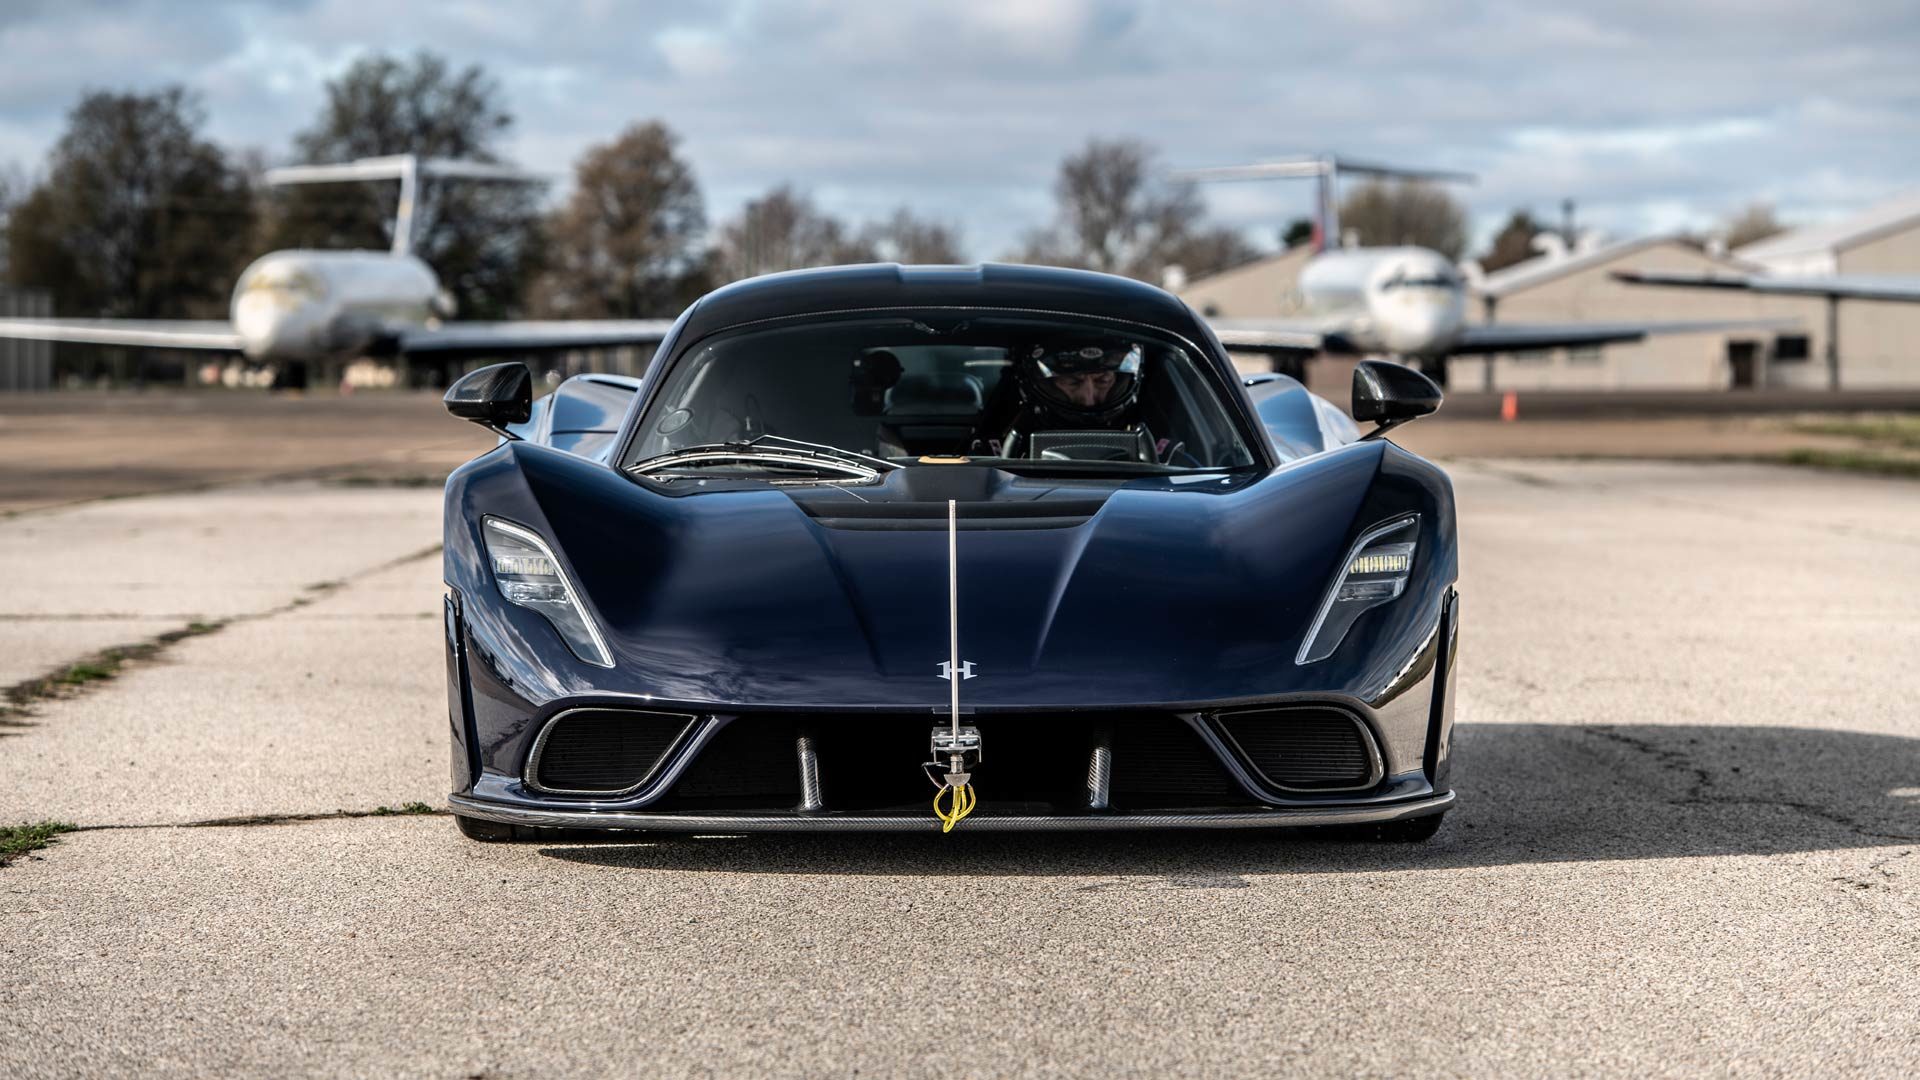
<point x="1080" y="383"/>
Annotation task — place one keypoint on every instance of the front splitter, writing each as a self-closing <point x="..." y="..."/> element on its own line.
<point x="1287" y="818"/>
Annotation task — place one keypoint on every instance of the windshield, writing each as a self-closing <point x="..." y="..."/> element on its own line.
<point x="1019" y="392"/>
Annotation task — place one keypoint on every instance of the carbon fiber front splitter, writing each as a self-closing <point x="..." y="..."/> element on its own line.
<point x="1278" y="818"/>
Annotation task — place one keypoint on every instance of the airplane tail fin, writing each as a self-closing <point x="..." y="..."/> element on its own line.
<point x="1324" y="170"/>
<point x="406" y="168"/>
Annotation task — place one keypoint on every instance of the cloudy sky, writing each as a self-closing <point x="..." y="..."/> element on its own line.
<point x="1654" y="115"/>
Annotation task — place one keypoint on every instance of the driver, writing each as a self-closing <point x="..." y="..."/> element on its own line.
<point x="1072" y="385"/>
<point x="1078" y="385"/>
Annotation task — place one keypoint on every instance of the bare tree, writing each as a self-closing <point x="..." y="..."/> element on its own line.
<point x="627" y="242"/>
<point x="1751" y="225"/>
<point x="138" y="215"/>
<point x="1116" y="211"/>
<point x="1209" y="251"/>
<point x="784" y="230"/>
<point x="12" y="186"/>
<point x="482" y="239"/>
<point x="905" y="238"/>
<point x="1406" y="212"/>
<point x="1513" y="244"/>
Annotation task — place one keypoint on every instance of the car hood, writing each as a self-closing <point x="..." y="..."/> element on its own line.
<point x="1157" y="592"/>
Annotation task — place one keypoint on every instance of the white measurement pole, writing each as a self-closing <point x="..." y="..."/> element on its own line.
<point x="953" y="618"/>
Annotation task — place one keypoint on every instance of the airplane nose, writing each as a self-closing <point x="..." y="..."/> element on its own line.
<point x="257" y="320"/>
<point x="268" y="326"/>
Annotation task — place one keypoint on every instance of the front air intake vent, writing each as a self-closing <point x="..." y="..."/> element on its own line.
<point x="1305" y="748"/>
<point x="602" y="752"/>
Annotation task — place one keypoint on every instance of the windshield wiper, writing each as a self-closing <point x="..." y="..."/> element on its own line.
<point x="775" y="452"/>
<point x="823" y="448"/>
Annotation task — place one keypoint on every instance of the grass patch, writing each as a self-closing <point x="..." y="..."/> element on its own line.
<point x="18" y="840"/>
<point x="97" y="668"/>
<point x="1854" y="461"/>
<point x="1898" y="430"/>
<point x="404" y="808"/>
<point x="88" y="671"/>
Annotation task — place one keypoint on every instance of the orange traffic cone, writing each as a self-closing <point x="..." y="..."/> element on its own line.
<point x="1510" y="407"/>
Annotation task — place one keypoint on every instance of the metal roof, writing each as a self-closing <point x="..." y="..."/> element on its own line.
<point x="1837" y="235"/>
<point x="1544" y="268"/>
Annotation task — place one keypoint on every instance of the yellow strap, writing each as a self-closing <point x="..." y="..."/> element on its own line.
<point x="960" y="805"/>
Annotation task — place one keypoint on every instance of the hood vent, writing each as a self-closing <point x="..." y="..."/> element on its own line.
<point x="898" y="515"/>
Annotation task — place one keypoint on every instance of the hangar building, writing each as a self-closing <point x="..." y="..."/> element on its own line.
<point x="1879" y="341"/>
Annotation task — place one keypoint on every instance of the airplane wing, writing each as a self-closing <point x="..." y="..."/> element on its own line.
<point x="458" y="339"/>
<point x="214" y="334"/>
<point x="1282" y="336"/>
<point x="1840" y="286"/>
<point x="1519" y="337"/>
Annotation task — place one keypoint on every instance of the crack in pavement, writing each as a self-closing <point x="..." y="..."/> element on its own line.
<point x="1700" y="792"/>
<point x="54" y="830"/>
<point x="1878" y="866"/>
<point x="243" y="821"/>
<point x="78" y="676"/>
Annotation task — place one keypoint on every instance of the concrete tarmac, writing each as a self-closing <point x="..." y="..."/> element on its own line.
<point x="1686" y="844"/>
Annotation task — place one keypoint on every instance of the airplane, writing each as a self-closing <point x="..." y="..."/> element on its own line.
<point x="303" y="305"/>
<point x="306" y="305"/>
<point x="1403" y="301"/>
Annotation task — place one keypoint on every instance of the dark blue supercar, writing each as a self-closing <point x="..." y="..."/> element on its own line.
<point x="726" y="596"/>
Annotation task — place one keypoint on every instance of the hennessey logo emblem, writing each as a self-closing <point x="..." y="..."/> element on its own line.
<point x="966" y="670"/>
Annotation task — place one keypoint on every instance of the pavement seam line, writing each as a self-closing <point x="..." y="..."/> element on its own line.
<point x="18" y="842"/>
<point x="245" y="821"/>
<point x="75" y="677"/>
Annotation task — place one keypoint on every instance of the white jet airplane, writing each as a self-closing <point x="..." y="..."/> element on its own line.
<point x="1408" y="302"/>
<point x="314" y="305"/>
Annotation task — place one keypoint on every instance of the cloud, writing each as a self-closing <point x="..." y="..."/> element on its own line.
<point x="1649" y="113"/>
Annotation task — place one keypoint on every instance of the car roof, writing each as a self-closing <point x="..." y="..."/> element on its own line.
<point x="890" y="285"/>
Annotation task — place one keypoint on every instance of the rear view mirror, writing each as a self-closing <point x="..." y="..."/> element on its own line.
<point x="1391" y="394"/>
<point x="493" y="396"/>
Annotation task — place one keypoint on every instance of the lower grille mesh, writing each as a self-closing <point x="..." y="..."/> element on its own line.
<point x="603" y="750"/>
<point x="1034" y="764"/>
<point x="750" y="764"/>
<point x="1304" y="749"/>
<point x="1160" y="761"/>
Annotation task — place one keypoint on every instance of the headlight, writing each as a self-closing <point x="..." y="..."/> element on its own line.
<point x="528" y="575"/>
<point x="1374" y="572"/>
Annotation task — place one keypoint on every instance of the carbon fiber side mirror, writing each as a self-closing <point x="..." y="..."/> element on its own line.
<point x="1391" y="394"/>
<point x="493" y="396"/>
